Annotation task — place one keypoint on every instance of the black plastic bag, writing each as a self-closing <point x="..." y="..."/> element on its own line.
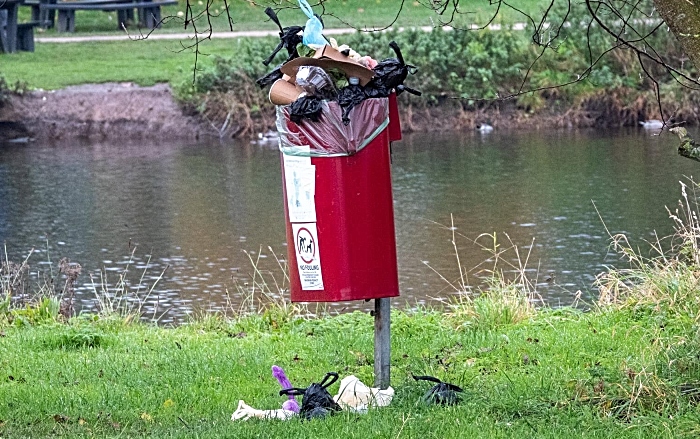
<point x="316" y="401"/>
<point x="289" y="38"/>
<point x="348" y="97"/>
<point x="441" y="393"/>
<point x="306" y="107"/>
<point x="390" y="74"/>
<point x="270" y="78"/>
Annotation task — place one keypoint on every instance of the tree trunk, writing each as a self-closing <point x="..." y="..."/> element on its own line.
<point x="683" y="18"/>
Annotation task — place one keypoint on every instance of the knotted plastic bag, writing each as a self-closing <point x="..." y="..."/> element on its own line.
<point x="313" y="31"/>
<point x="389" y="74"/>
<point x="316" y="401"/>
<point x="441" y="393"/>
<point x="289" y="39"/>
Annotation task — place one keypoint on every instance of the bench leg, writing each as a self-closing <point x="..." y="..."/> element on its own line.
<point x="36" y="13"/>
<point x="150" y="17"/>
<point x="8" y="29"/>
<point x="123" y="18"/>
<point x="25" y="38"/>
<point x="4" y="43"/>
<point x="66" y="21"/>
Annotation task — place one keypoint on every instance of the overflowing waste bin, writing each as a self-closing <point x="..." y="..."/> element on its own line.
<point x="339" y="205"/>
<point x="336" y="116"/>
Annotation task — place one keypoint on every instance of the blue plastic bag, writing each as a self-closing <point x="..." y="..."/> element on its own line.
<point x="313" y="36"/>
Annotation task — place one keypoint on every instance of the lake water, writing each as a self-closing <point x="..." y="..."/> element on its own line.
<point x="203" y="211"/>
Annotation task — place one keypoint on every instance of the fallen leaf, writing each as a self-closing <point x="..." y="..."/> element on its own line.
<point x="168" y="403"/>
<point x="61" y="418"/>
<point x="146" y="417"/>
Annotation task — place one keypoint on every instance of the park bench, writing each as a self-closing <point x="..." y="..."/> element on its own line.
<point x="15" y="36"/>
<point x="148" y="11"/>
<point x="25" y="35"/>
<point x="45" y="17"/>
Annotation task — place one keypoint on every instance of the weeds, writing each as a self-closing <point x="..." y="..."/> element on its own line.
<point x="664" y="286"/>
<point x="267" y="293"/>
<point x="668" y="279"/>
<point x="504" y="293"/>
<point x="120" y="299"/>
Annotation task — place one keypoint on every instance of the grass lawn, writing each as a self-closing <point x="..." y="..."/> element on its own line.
<point x="56" y="65"/>
<point x="145" y="62"/>
<point x="248" y="15"/>
<point x="559" y="374"/>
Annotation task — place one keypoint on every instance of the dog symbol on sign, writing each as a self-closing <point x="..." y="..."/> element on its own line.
<point x="306" y="246"/>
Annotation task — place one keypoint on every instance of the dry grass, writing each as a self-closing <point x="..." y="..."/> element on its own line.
<point x="669" y="278"/>
<point x="501" y="292"/>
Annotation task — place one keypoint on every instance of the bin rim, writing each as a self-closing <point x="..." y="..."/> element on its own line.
<point x="362" y="135"/>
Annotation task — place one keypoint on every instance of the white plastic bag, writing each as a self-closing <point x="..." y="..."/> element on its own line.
<point x="354" y="395"/>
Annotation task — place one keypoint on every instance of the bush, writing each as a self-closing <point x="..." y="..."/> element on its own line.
<point x="469" y="67"/>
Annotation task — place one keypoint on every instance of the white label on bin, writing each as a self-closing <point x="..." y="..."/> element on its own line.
<point x="308" y="257"/>
<point x="300" y="183"/>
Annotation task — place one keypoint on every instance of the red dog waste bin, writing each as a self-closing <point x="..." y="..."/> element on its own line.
<point x="339" y="204"/>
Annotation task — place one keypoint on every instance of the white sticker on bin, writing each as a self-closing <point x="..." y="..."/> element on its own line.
<point x="300" y="184"/>
<point x="308" y="256"/>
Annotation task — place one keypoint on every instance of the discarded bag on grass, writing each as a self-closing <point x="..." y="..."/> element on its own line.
<point x="244" y="412"/>
<point x="356" y="396"/>
<point x="316" y="401"/>
<point x="441" y="393"/>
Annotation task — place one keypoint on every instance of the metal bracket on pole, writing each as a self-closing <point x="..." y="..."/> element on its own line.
<point x="382" y="342"/>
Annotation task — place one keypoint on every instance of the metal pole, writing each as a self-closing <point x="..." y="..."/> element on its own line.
<point x="382" y="342"/>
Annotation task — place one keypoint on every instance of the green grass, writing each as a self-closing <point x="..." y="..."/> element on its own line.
<point x="627" y="368"/>
<point x="54" y="66"/>
<point x="361" y="14"/>
<point x="561" y="374"/>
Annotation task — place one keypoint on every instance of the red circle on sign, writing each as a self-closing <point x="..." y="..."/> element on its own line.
<point x="306" y="246"/>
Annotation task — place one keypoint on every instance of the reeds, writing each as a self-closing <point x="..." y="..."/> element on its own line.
<point x="502" y="293"/>
<point x="669" y="277"/>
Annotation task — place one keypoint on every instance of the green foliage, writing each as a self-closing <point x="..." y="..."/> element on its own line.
<point x="7" y="89"/>
<point x="459" y="63"/>
<point x="44" y="310"/>
<point x="74" y="338"/>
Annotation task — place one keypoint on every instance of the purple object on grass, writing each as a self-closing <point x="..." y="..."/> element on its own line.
<point x="291" y="404"/>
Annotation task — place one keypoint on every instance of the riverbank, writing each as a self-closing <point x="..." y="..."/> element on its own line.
<point x="127" y="112"/>
<point x="96" y="112"/>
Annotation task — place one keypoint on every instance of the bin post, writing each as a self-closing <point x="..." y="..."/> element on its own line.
<point x="382" y="342"/>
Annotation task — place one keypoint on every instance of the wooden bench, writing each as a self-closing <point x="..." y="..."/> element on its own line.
<point x="25" y="35"/>
<point x="148" y="11"/>
<point x="45" y="17"/>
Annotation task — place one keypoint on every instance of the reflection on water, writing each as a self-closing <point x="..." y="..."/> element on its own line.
<point x="199" y="212"/>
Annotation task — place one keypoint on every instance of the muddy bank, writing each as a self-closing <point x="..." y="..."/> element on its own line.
<point x="124" y="112"/>
<point x="120" y="112"/>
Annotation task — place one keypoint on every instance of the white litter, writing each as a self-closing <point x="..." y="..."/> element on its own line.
<point x="356" y="396"/>
<point x="245" y="412"/>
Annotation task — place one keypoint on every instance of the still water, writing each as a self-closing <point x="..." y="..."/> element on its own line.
<point x="200" y="212"/>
